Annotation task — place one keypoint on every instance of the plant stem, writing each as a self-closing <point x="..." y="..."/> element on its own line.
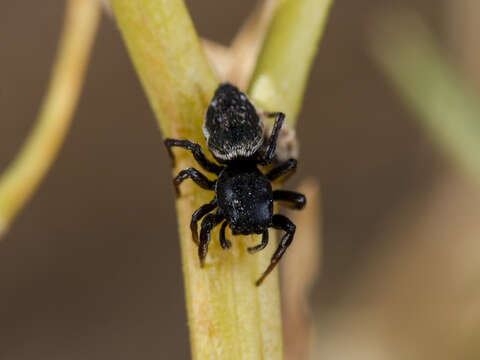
<point x="169" y="60"/>
<point x="284" y="63"/>
<point x="444" y="101"/>
<point x="229" y="317"/>
<point x="22" y="177"/>
<point x="248" y="42"/>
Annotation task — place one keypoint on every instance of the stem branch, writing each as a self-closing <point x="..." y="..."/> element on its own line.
<point x="22" y="177"/>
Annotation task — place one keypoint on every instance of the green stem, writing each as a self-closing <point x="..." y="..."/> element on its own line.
<point x="22" y="177"/>
<point x="284" y="63"/>
<point x="229" y="317"/>
<point x="172" y="67"/>
<point x="446" y="104"/>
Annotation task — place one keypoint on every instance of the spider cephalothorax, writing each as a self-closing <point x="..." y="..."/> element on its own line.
<point x="243" y="194"/>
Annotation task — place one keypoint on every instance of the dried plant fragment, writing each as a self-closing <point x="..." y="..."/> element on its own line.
<point x="247" y="43"/>
<point x="219" y="57"/>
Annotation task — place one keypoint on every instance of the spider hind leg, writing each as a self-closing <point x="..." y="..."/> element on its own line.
<point x="283" y="223"/>
<point x="260" y="246"/>
<point x="292" y="199"/>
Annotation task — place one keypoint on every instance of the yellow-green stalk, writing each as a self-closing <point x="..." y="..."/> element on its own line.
<point x="229" y="317"/>
<point x="443" y="100"/>
<point x="22" y="177"/>
<point x="284" y="63"/>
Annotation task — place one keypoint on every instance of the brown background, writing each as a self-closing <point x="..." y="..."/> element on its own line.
<point x="91" y="267"/>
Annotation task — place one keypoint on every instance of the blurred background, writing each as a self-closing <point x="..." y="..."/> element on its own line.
<point x="91" y="267"/>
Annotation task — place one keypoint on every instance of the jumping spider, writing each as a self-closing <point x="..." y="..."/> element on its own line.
<point x="243" y="194"/>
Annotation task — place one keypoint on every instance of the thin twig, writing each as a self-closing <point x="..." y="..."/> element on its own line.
<point x="22" y="177"/>
<point x="445" y="102"/>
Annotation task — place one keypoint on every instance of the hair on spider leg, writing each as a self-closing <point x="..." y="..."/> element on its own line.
<point x="243" y="195"/>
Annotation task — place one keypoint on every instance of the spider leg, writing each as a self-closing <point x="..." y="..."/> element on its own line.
<point x="192" y="173"/>
<point x="283" y="223"/>
<point x="269" y="153"/>
<point x="223" y="240"/>
<point x="260" y="246"/>
<point x="292" y="199"/>
<point x="208" y="223"/>
<point x="287" y="168"/>
<point x="198" y="214"/>
<point x="196" y="151"/>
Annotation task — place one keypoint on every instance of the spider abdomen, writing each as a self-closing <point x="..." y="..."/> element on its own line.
<point x="232" y="128"/>
<point x="245" y="199"/>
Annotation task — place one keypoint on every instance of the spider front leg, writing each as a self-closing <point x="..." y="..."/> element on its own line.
<point x="287" y="168"/>
<point x="198" y="214"/>
<point x="192" y="173"/>
<point x="292" y="199"/>
<point x="196" y="151"/>
<point x="283" y="223"/>
<point x="269" y="153"/>
<point x="208" y="223"/>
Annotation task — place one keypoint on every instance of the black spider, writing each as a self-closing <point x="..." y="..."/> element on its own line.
<point x="243" y="194"/>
